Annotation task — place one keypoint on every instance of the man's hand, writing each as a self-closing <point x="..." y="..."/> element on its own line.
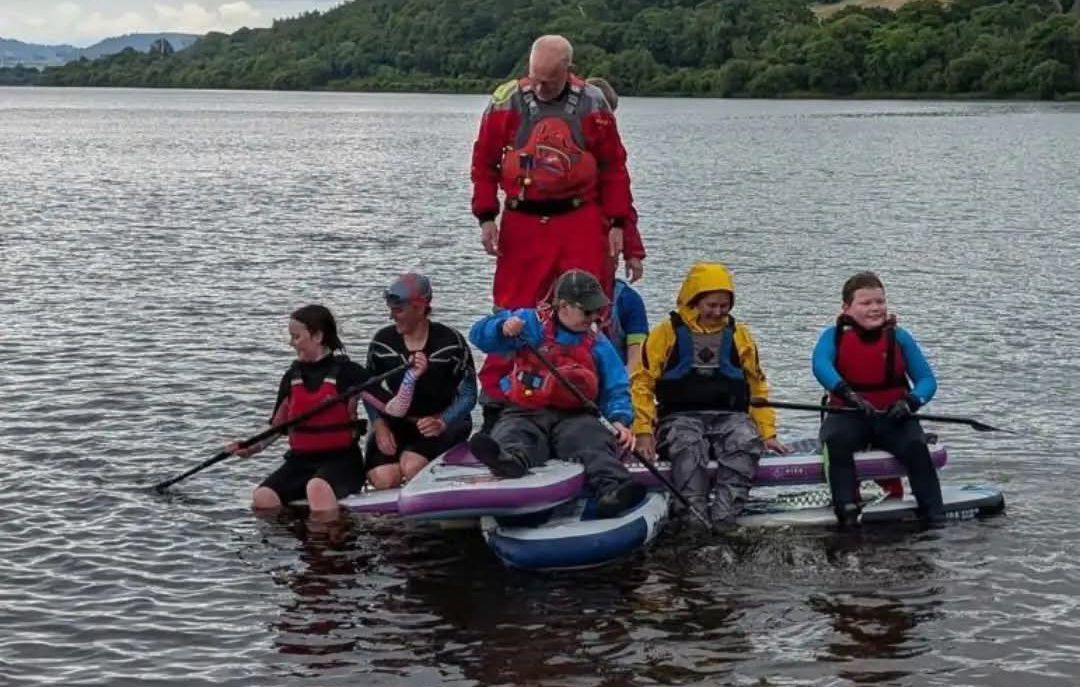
<point x="634" y="269"/>
<point x="615" y="241"/>
<point x="489" y="236"/>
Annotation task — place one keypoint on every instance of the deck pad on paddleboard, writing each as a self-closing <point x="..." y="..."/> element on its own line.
<point x="961" y="502"/>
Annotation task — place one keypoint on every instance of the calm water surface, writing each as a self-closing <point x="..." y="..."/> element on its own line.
<point x="153" y="243"/>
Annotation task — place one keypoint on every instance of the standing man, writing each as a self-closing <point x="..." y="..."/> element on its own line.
<point x="550" y="142"/>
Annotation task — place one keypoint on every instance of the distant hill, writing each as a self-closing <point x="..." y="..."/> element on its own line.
<point x="140" y="41"/>
<point x="755" y="48"/>
<point x="13" y="52"/>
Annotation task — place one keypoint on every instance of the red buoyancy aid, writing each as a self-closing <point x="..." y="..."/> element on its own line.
<point x="533" y="386"/>
<point x="873" y="368"/>
<point x="549" y="160"/>
<point x="330" y="430"/>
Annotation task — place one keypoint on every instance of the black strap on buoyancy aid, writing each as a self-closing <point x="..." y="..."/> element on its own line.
<point x="681" y="387"/>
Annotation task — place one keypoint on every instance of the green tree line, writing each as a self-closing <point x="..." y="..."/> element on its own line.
<point x="730" y="48"/>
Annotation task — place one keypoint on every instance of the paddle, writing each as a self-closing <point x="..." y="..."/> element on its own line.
<point x="595" y="410"/>
<point x="974" y="424"/>
<point x="284" y="426"/>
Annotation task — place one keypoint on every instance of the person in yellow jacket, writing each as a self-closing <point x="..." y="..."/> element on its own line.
<point x="699" y="370"/>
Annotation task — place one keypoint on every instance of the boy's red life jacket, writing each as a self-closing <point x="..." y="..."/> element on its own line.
<point x="532" y="385"/>
<point x="874" y="368"/>
<point x="329" y="430"/>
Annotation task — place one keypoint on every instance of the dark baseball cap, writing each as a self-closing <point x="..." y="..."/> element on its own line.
<point x="582" y="289"/>
<point x="409" y="287"/>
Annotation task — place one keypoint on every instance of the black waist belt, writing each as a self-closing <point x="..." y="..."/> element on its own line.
<point x="546" y="208"/>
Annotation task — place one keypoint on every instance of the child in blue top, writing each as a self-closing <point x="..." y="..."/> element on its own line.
<point x="627" y="324"/>
<point x="869" y="363"/>
<point x="543" y="418"/>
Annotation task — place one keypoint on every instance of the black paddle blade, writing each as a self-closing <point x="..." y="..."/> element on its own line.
<point x="983" y="427"/>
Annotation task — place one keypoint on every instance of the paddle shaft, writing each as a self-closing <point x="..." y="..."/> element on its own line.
<point x="591" y="406"/>
<point x="284" y="426"/>
<point x="974" y="424"/>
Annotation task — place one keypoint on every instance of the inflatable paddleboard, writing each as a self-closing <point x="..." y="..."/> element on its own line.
<point x="805" y="466"/>
<point x="961" y="503"/>
<point x="568" y="537"/>
<point x="456" y="485"/>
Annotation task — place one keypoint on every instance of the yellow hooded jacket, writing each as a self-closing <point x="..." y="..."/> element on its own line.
<point x="702" y="277"/>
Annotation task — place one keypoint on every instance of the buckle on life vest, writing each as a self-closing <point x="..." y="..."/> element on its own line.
<point x="544" y="208"/>
<point x="531" y="381"/>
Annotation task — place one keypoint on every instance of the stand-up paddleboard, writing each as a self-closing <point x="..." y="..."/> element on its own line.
<point x="456" y="485"/>
<point x="377" y="501"/>
<point x="568" y="537"/>
<point x="961" y="503"/>
<point x="805" y="466"/>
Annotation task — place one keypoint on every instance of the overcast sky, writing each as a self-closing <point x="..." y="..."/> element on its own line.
<point x="82" y="22"/>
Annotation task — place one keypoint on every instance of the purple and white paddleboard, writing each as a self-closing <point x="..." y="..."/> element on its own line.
<point x="456" y="485"/>
<point x="805" y="466"/>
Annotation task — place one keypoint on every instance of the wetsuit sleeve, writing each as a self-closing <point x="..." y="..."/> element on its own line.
<point x="602" y="133"/>
<point x="614" y="399"/>
<point x="654" y="355"/>
<point x="924" y="384"/>
<point x="486" y="334"/>
<point x="632" y="316"/>
<point x="284" y="388"/>
<point x="633" y="246"/>
<point x="465" y="398"/>
<point x="764" y="418"/>
<point x="823" y="361"/>
<point x="487" y="152"/>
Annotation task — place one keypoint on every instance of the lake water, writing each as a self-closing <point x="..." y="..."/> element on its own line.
<point x="152" y="244"/>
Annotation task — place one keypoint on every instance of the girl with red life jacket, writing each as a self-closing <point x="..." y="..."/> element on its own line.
<point x="543" y="418"/>
<point x="324" y="461"/>
<point x="867" y="362"/>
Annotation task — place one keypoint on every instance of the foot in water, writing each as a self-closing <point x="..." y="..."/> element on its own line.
<point x="847" y="515"/>
<point x="621" y="498"/>
<point x="487" y="451"/>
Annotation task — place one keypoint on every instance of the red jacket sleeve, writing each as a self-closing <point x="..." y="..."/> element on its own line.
<point x="633" y="247"/>
<point x="500" y="118"/>
<point x="602" y="137"/>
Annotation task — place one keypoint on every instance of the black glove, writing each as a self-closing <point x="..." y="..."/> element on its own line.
<point x="854" y="400"/>
<point x="903" y="409"/>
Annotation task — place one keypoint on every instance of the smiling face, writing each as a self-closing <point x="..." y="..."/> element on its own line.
<point x="713" y="307"/>
<point x="406" y="315"/>
<point x="868" y="307"/>
<point x="307" y="344"/>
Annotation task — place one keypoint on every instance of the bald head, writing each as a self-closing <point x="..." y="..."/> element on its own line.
<point x="549" y="65"/>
